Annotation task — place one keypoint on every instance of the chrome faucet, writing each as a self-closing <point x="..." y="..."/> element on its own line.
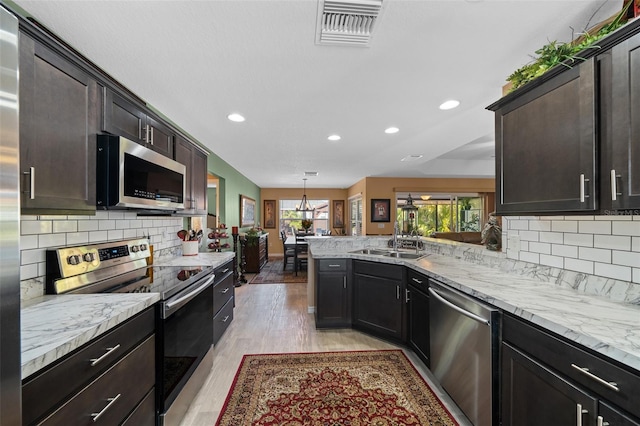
<point x="396" y="229"/>
<point x="417" y="240"/>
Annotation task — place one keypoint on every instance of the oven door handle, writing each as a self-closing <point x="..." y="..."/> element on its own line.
<point x="176" y="303"/>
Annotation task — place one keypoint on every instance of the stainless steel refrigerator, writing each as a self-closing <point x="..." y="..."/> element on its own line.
<point x="10" y="371"/>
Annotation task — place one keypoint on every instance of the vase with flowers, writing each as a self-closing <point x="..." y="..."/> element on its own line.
<point x="306" y="224"/>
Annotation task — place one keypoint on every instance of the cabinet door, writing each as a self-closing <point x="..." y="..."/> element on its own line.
<point x="610" y="416"/>
<point x="332" y="300"/>
<point x="124" y="118"/>
<point x="59" y="118"/>
<point x="546" y="147"/>
<point x="183" y="154"/>
<point x="624" y="171"/>
<point x="533" y="395"/>
<point x="160" y="137"/>
<point x="419" y="322"/>
<point x="199" y="181"/>
<point x="377" y="305"/>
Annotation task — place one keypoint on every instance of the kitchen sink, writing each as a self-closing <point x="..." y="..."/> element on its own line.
<point x="404" y="254"/>
<point x="379" y="252"/>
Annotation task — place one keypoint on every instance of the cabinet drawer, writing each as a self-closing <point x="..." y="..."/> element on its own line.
<point x="568" y="359"/>
<point x="222" y="320"/>
<point x="145" y="413"/>
<point x="222" y="271"/>
<point x="417" y="280"/>
<point x="335" y="265"/>
<point x="69" y="375"/>
<point x="382" y="270"/>
<point x="222" y="292"/>
<point x="114" y="394"/>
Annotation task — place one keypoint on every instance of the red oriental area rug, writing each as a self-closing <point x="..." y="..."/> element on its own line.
<point x="380" y="388"/>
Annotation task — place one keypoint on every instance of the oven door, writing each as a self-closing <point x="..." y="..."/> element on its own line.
<point x="186" y="335"/>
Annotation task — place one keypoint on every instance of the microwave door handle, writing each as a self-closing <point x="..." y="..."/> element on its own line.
<point x="172" y="305"/>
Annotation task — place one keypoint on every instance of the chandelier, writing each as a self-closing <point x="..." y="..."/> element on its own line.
<point x="304" y="205"/>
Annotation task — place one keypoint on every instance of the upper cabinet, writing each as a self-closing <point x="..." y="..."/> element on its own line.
<point x="126" y="118"/>
<point x="59" y="120"/>
<point x="620" y="127"/>
<point x="546" y="146"/>
<point x="196" y="179"/>
<point x="568" y="142"/>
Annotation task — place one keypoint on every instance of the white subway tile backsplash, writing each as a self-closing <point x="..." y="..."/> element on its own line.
<point x="28" y="227"/>
<point x="28" y="257"/>
<point x="615" y="217"/>
<point x="635" y="275"/>
<point x="556" y="262"/>
<point x="123" y="224"/>
<point x="584" y="240"/>
<point x="97" y="237"/>
<point x="552" y="237"/>
<point x="77" y="238"/>
<point x="28" y="271"/>
<point x="64" y="226"/>
<point x="526" y="256"/>
<point x="52" y="240"/>
<point x="594" y="227"/>
<point x="564" y="226"/>
<point x="539" y="225"/>
<point x="616" y="272"/>
<point x="577" y="265"/>
<point x="529" y="236"/>
<point x="106" y="225"/>
<point x="28" y="242"/>
<point x="626" y="258"/>
<point x="543" y="248"/>
<point x="116" y="234"/>
<point x="88" y="225"/>
<point x="616" y="242"/>
<point x="626" y="228"/>
<point x="519" y="224"/>
<point x="116" y="215"/>
<point x="594" y="254"/>
<point x="635" y="243"/>
<point x="564" y="250"/>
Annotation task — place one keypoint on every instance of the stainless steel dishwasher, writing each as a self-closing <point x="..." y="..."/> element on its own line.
<point x="464" y="351"/>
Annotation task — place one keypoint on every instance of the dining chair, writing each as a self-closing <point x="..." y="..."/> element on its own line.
<point x="289" y="252"/>
<point x="302" y="255"/>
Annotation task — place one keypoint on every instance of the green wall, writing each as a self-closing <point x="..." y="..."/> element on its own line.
<point x="232" y="185"/>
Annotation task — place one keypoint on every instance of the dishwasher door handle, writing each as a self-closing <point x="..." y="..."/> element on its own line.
<point x="458" y="308"/>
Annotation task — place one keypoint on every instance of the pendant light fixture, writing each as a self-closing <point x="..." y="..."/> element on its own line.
<point x="305" y="207"/>
<point x="409" y="211"/>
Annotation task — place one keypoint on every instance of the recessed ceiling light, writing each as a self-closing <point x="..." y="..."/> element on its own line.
<point x="412" y="157"/>
<point x="391" y="130"/>
<point x="235" y="117"/>
<point x="450" y="104"/>
<point x="334" y="138"/>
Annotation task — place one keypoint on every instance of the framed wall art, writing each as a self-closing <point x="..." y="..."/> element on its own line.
<point x="380" y="210"/>
<point x="270" y="214"/>
<point x="338" y="213"/>
<point x="247" y="211"/>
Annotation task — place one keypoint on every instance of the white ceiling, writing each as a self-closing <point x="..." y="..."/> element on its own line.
<point x="198" y="61"/>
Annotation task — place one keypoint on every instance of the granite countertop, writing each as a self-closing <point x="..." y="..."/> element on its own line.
<point x="214" y="259"/>
<point x="53" y="326"/>
<point x="596" y="322"/>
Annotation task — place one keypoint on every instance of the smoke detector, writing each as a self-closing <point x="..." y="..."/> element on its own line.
<point x="347" y="22"/>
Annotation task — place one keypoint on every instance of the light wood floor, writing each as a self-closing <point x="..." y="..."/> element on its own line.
<point x="273" y="318"/>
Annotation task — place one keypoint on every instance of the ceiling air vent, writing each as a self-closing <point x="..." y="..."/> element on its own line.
<point x="347" y="22"/>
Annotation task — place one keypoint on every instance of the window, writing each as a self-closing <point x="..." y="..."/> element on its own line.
<point x="290" y="218"/>
<point x="445" y="213"/>
<point x="355" y="214"/>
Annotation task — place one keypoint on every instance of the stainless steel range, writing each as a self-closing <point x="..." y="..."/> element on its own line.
<point x="184" y="317"/>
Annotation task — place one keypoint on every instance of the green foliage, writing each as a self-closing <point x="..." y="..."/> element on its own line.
<point x="565" y="54"/>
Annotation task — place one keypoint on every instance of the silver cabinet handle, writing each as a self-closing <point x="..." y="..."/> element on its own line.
<point x="344" y="282"/>
<point x="601" y="422"/>
<point x="407" y="293"/>
<point x="579" y="412"/>
<point x="398" y="292"/>
<point x="151" y="134"/>
<point x="32" y="182"/>
<point x="415" y="280"/>
<point x="225" y="290"/>
<point x="225" y="318"/>
<point x="611" y="385"/>
<point x="96" y="416"/>
<point x="333" y="265"/>
<point x="614" y="185"/>
<point x="109" y="351"/>
<point x="225" y="271"/>
<point x="583" y="194"/>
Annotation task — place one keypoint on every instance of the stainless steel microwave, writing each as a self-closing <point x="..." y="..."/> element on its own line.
<point x="131" y="176"/>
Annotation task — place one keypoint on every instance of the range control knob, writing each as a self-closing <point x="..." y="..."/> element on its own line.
<point x="73" y="259"/>
<point x="135" y="249"/>
<point x="143" y="247"/>
<point x="88" y="257"/>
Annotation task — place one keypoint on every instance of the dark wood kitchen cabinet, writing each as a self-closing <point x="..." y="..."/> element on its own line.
<point x="418" y="314"/>
<point x="620" y="128"/>
<point x="548" y="380"/>
<point x="126" y="118"/>
<point x="59" y="120"/>
<point x="223" y="299"/>
<point x="114" y="375"/>
<point x="546" y="146"/>
<point x="379" y="299"/>
<point x="195" y="161"/>
<point x="255" y="252"/>
<point x="333" y="293"/>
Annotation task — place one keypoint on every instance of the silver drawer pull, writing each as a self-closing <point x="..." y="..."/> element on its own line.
<point x="225" y="271"/>
<point x="225" y="290"/>
<point x="601" y="422"/>
<point x="96" y="416"/>
<point x="415" y="280"/>
<point x="225" y="318"/>
<point x="579" y="412"/>
<point x="109" y="351"/>
<point x="333" y="265"/>
<point x="611" y="385"/>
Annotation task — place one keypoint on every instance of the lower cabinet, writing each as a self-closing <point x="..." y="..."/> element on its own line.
<point x="223" y="299"/>
<point x="333" y="293"/>
<point x="547" y="380"/>
<point x="418" y="314"/>
<point x="110" y="380"/>
<point x="256" y="252"/>
<point x="379" y="299"/>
